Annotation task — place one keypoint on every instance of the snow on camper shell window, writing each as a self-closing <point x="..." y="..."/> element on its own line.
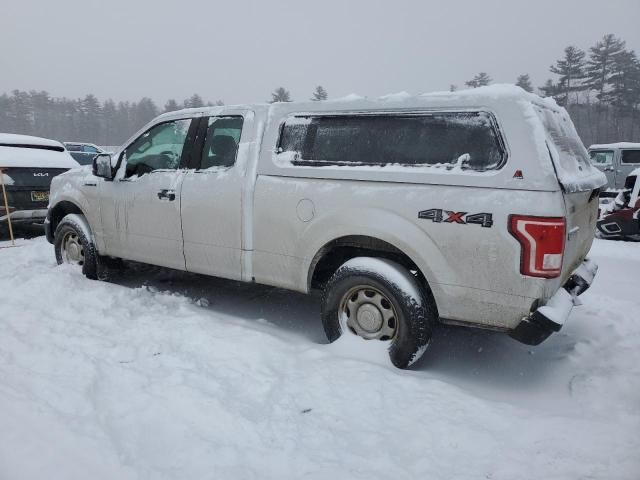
<point x="463" y="140"/>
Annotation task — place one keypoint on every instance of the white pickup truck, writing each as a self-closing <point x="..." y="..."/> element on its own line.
<point x="476" y="208"/>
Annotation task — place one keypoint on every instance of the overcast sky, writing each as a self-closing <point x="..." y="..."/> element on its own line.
<point x="240" y="50"/>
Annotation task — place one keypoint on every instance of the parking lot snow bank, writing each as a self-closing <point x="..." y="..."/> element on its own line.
<point x="162" y="375"/>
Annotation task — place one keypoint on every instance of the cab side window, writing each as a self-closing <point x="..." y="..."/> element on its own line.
<point x="221" y="142"/>
<point x="602" y="157"/>
<point x="631" y="156"/>
<point x="160" y="148"/>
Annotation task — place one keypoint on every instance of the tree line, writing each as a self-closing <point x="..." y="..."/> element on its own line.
<point x="83" y="119"/>
<point x="601" y="90"/>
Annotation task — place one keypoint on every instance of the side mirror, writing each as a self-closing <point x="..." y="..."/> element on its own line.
<point x="102" y="166"/>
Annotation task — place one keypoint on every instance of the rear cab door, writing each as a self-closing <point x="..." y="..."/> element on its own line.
<point x="213" y="211"/>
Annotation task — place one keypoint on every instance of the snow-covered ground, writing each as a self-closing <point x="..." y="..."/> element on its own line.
<point x="166" y="375"/>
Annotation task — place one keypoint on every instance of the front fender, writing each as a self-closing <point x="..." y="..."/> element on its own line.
<point x="77" y="187"/>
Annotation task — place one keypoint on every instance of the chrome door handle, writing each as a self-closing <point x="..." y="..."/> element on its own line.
<point x="167" y="195"/>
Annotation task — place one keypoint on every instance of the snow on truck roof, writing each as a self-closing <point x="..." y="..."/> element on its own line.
<point x="475" y="97"/>
<point x="618" y="145"/>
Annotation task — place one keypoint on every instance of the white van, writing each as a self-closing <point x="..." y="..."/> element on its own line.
<point x="28" y="165"/>
<point x="616" y="160"/>
<point x="476" y="208"/>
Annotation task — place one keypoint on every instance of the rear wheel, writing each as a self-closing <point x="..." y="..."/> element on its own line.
<point x="379" y="300"/>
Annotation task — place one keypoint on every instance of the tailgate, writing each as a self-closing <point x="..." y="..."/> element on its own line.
<point x="581" y="214"/>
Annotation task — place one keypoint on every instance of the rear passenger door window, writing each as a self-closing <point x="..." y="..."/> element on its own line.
<point x="221" y="142"/>
<point x="467" y="140"/>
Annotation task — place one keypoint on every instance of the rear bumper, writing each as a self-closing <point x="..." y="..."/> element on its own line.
<point x="550" y="318"/>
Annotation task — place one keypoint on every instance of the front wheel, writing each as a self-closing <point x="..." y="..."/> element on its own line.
<point x="74" y="245"/>
<point x="379" y="300"/>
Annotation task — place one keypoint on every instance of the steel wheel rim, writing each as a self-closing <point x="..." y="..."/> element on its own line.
<point x="72" y="250"/>
<point x="368" y="313"/>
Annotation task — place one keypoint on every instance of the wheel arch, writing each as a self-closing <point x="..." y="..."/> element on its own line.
<point x="336" y="252"/>
<point x="58" y="212"/>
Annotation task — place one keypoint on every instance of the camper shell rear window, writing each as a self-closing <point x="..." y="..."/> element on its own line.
<point x="463" y="140"/>
<point x="572" y="154"/>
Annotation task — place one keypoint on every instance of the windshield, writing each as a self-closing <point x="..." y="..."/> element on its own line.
<point x="601" y="157"/>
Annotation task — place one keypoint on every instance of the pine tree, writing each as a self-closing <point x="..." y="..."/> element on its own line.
<point x="171" y="105"/>
<point x="280" y="94"/>
<point x="599" y="68"/>
<point x="524" y="82"/>
<point x="219" y="103"/>
<point x="108" y="136"/>
<point x="624" y="81"/>
<point x="21" y="112"/>
<point x="453" y="88"/>
<point x="194" y="101"/>
<point x="124" y="124"/>
<point x="42" y="104"/>
<point x="319" y="94"/>
<point x="5" y="118"/>
<point x="144" y="111"/>
<point x="90" y="112"/>
<point x="549" y="89"/>
<point x="482" y="79"/>
<point x="570" y="69"/>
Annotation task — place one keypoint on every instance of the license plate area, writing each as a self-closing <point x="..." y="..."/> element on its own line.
<point x="39" y="196"/>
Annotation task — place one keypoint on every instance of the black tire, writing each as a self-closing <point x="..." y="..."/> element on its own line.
<point x="76" y="224"/>
<point x="415" y="311"/>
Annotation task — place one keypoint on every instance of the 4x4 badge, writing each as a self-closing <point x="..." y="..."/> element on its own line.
<point x="437" y="215"/>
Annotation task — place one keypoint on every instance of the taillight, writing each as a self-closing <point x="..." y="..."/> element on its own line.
<point x="542" y="242"/>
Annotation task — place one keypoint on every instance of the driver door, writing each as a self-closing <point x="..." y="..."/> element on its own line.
<point x="141" y="206"/>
